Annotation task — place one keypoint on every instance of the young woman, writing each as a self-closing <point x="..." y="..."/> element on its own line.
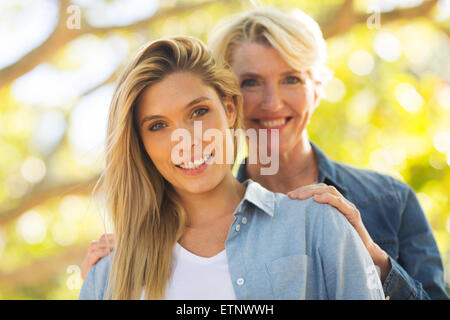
<point x="186" y="228"/>
<point x="279" y="60"/>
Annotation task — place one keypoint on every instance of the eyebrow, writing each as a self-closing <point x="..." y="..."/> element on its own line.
<point x="193" y="102"/>
<point x="256" y="75"/>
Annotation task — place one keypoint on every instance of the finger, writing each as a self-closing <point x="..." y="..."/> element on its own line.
<point x="93" y="258"/>
<point x="95" y="245"/>
<point x="107" y="242"/>
<point x="107" y="236"/>
<point x="106" y="245"/>
<point x="309" y="191"/>
<point x="339" y="203"/>
<point x="304" y="191"/>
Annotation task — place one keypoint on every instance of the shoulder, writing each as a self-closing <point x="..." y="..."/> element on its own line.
<point x="96" y="281"/>
<point x="103" y="266"/>
<point x="321" y="225"/>
<point x="369" y="184"/>
<point x="308" y="208"/>
<point x="311" y="216"/>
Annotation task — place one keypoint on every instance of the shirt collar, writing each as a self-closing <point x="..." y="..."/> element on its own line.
<point x="241" y="175"/>
<point x="259" y="196"/>
<point x="327" y="170"/>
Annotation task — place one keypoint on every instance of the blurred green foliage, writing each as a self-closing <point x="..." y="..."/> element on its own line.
<point x="387" y="109"/>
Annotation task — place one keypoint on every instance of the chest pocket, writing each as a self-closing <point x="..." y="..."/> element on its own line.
<point x="288" y="276"/>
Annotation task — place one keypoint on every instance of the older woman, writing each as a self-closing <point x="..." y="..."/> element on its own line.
<point x="279" y="61"/>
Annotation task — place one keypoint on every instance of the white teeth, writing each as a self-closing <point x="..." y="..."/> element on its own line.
<point x="195" y="164"/>
<point x="273" y="123"/>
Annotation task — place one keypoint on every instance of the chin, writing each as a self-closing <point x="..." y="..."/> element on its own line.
<point x="201" y="184"/>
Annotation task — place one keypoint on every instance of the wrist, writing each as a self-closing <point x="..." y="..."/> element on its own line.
<point x="381" y="259"/>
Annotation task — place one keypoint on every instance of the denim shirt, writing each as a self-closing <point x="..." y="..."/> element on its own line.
<point x="279" y="248"/>
<point x="395" y="220"/>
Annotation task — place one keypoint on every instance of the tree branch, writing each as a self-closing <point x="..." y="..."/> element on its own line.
<point x="44" y="269"/>
<point x="40" y="196"/>
<point x="62" y="35"/>
<point x="346" y="18"/>
<point x="341" y="22"/>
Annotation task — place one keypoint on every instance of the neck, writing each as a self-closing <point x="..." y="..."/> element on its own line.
<point x="203" y="209"/>
<point x="297" y="167"/>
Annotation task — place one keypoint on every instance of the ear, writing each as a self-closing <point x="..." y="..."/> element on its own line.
<point x="318" y="88"/>
<point x="230" y="110"/>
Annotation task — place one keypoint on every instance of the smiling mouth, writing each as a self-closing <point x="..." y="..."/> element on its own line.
<point x="275" y="123"/>
<point x="196" y="164"/>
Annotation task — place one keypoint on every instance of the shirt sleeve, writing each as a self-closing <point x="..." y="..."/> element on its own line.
<point x="87" y="291"/>
<point x="348" y="268"/>
<point x="418" y="274"/>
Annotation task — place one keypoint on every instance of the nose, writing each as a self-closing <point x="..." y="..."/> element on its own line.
<point x="186" y="143"/>
<point x="196" y="140"/>
<point x="272" y="101"/>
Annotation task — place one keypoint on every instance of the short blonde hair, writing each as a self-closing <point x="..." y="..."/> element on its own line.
<point x="295" y="35"/>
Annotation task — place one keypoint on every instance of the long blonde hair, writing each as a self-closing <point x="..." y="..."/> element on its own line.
<point x="146" y="213"/>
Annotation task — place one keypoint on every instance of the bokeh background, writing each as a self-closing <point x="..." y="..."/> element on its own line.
<point x="387" y="109"/>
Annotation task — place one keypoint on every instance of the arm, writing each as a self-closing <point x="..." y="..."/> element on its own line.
<point x="96" y="282"/>
<point x="88" y="288"/>
<point x="418" y="273"/>
<point x="348" y="269"/>
<point x="323" y="193"/>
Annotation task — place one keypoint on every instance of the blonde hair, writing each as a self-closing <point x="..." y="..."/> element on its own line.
<point x="295" y="35"/>
<point x="146" y="213"/>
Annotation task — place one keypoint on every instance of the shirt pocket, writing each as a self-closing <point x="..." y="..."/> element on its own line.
<point x="288" y="276"/>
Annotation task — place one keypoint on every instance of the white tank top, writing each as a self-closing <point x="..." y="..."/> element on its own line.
<point x="198" y="278"/>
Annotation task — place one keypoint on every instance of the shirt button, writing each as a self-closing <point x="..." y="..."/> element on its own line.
<point x="240" y="209"/>
<point x="238" y="227"/>
<point x="240" y="281"/>
<point x="244" y="220"/>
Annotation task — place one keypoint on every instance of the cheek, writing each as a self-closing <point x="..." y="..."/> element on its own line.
<point x="156" y="148"/>
<point x="300" y="100"/>
<point x="218" y="128"/>
<point x="251" y="100"/>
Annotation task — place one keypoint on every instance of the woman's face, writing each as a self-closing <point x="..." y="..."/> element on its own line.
<point x="175" y="103"/>
<point x="276" y="96"/>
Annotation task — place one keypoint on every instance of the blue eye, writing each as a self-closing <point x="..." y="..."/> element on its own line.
<point x="249" y="83"/>
<point x="157" y="126"/>
<point x="292" y="80"/>
<point x="200" y="112"/>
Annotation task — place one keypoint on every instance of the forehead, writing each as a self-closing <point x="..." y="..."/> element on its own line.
<point x="252" y="57"/>
<point x="173" y="93"/>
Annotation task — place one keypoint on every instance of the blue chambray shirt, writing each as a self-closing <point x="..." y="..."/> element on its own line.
<point x="279" y="248"/>
<point x="395" y="220"/>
